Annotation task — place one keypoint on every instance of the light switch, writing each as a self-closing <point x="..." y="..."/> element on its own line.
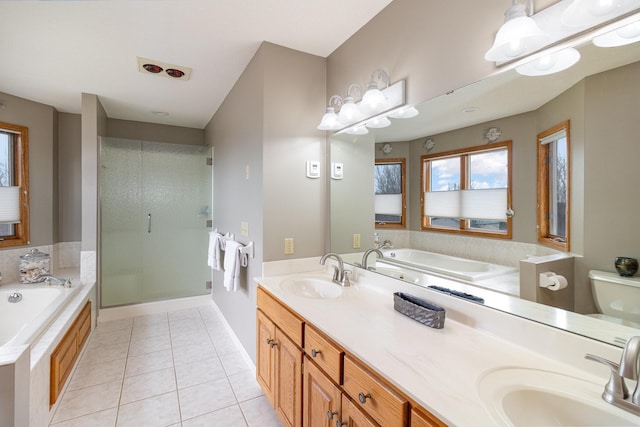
<point x="244" y="228"/>
<point x="356" y="241"/>
<point x="288" y="246"/>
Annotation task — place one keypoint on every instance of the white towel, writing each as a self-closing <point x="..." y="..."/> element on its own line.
<point x="213" y="255"/>
<point x="233" y="260"/>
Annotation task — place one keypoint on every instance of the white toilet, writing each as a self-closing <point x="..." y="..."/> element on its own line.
<point x="617" y="297"/>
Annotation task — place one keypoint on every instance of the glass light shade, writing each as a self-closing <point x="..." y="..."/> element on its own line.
<point x="357" y="130"/>
<point x="628" y="34"/>
<point x="404" y="113"/>
<point x="519" y="35"/>
<point x="589" y="12"/>
<point x="388" y="204"/>
<point x="549" y="64"/>
<point x="9" y="205"/>
<point x="329" y="120"/>
<point x="484" y="204"/>
<point x="378" y="122"/>
<point x="373" y="99"/>
<point x="442" y="204"/>
<point x="349" y="111"/>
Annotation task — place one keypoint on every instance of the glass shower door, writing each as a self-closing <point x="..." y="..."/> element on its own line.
<point x="155" y="201"/>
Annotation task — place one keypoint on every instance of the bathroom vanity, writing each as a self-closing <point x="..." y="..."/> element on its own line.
<point x="330" y="355"/>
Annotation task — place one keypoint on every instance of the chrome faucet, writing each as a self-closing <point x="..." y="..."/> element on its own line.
<point x="368" y="252"/>
<point x="48" y="278"/>
<point x="340" y="275"/>
<point x="615" y="391"/>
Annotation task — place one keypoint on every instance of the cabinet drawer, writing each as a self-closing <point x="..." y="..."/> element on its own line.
<point x="419" y="418"/>
<point x="288" y="322"/>
<point x="84" y="322"/>
<point x="323" y="352"/>
<point x="377" y="399"/>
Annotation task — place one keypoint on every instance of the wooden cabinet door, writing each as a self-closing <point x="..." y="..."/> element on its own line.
<point x="321" y="407"/>
<point x="288" y="371"/>
<point x="352" y="416"/>
<point x="420" y="419"/>
<point x="265" y="355"/>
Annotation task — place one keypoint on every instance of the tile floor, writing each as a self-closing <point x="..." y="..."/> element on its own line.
<point x="180" y="368"/>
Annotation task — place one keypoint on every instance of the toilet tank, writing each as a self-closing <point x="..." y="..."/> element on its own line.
<point x="615" y="295"/>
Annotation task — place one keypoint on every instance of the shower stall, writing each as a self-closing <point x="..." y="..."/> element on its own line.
<point x="155" y="209"/>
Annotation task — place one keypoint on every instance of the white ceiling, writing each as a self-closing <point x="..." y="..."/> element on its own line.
<point x="53" y="51"/>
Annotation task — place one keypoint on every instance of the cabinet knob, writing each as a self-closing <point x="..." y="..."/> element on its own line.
<point x="315" y="352"/>
<point x="273" y="343"/>
<point x="331" y="414"/>
<point x="340" y="423"/>
<point x="363" y="397"/>
<point x="269" y="341"/>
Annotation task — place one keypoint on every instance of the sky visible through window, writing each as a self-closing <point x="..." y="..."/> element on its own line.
<point x="486" y="170"/>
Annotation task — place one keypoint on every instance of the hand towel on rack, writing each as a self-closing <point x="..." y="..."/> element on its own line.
<point x="234" y="258"/>
<point x="213" y="255"/>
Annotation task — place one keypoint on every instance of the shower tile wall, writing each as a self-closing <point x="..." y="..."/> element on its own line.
<point x="180" y="368"/>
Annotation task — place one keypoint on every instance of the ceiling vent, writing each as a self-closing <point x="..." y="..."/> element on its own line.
<point x="159" y="68"/>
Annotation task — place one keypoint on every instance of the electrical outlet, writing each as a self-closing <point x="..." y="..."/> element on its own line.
<point x="288" y="246"/>
<point x="356" y="241"/>
<point x="244" y="228"/>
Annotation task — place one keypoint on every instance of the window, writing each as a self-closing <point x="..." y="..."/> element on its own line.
<point x="468" y="191"/>
<point x="389" y="188"/>
<point x="553" y="186"/>
<point x="14" y="180"/>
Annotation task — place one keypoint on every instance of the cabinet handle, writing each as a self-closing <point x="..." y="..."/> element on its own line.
<point x="269" y="341"/>
<point x="331" y="414"/>
<point x="273" y="343"/>
<point x="340" y="423"/>
<point x="363" y="397"/>
<point x="315" y="352"/>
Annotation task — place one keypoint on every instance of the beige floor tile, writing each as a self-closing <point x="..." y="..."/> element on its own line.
<point x="199" y="372"/>
<point x="234" y="363"/>
<point x="99" y="373"/>
<point x="106" y="418"/>
<point x="162" y="410"/>
<point x="88" y="400"/>
<point x="149" y="330"/>
<point x="114" y="325"/>
<point x="150" y="319"/>
<point x="112" y="337"/>
<point x="186" y="325"/>
<point x="204" y="398"/>
<point x="199" y="336"/>
<point x="149" y="345"/>
<point x="193" y="352"/>
<point x="100" y="354"/>
<point x="149" y="362"/>
<point x="259" y="413"/>
<point x="148" y="385"/>
<point x="227" y="417"/>
<point x="245" y="386"/>
<point x="189" y="313"/>
<point x="225" y="345"/>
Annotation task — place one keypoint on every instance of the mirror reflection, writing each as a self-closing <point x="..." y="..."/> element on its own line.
<point x="598" y="103"/>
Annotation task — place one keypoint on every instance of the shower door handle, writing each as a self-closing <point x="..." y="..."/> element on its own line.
<point x="149" y="223"/>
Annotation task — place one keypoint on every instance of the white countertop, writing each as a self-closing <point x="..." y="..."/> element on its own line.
<point x="438" y="368"/>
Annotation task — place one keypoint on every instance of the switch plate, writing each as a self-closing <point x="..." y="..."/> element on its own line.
<point x="288" y="246"/>
<point x="244" y="228"/>
<point x="337" y="170"/>
<point x="246" y="172"/>
<point x="356" y="241"/>
<point x="313" y="169"/>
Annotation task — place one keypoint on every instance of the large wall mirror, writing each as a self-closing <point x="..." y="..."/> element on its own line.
<point x="599" y="97"/>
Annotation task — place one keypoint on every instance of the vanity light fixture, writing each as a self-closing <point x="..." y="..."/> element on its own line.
<point x="350" y="112"/>
<point x="378" y="122"/>
<point x="582" y="13"/>
<point x="404" y="113"/>
<point x="628" y="34"/>
<point x="9" y="205"/>
<point x="518" y="36"/>
<point x="550" y="63"/>
<point x="373" y="98"/>
<point x="357" y="130"/>
<point x="330" y="118"/>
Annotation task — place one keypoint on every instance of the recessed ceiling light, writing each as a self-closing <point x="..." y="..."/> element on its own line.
<point x="173" y="72"/>
<point x="160" y="113"/>
<point x="159" y="68"/>
<point x="152" y="68"/>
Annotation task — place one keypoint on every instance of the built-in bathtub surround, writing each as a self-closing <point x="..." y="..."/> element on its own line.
<point x="88" y="266"/>
<point x="64" y="255"/>
<point x="495" y="251"/>
<point x="182" y="368"/>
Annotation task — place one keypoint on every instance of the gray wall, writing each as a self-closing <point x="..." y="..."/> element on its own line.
<point x="154" y="132"/>
<point x="265" y="124"/>
<point x="69" y="178"/>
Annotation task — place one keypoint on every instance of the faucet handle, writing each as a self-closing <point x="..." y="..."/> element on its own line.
<point x="345" y="277"/>
<point x="616" y="386"/>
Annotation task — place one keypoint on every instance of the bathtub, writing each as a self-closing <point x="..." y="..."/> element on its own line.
<point x="460" y="268"/>
<point x="22" y="322"/>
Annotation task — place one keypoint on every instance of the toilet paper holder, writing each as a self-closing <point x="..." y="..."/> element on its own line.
<point x="552" y="281"/>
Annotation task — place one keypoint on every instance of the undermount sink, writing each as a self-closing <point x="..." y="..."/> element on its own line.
<point x="312" y="287"/>
<point x="532" y="397"/>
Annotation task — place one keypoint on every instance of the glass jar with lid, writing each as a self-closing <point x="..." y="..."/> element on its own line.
<point x="33" y="266"/>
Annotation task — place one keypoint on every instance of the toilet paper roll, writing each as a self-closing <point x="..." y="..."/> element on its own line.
<point x="557" y="282"/>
